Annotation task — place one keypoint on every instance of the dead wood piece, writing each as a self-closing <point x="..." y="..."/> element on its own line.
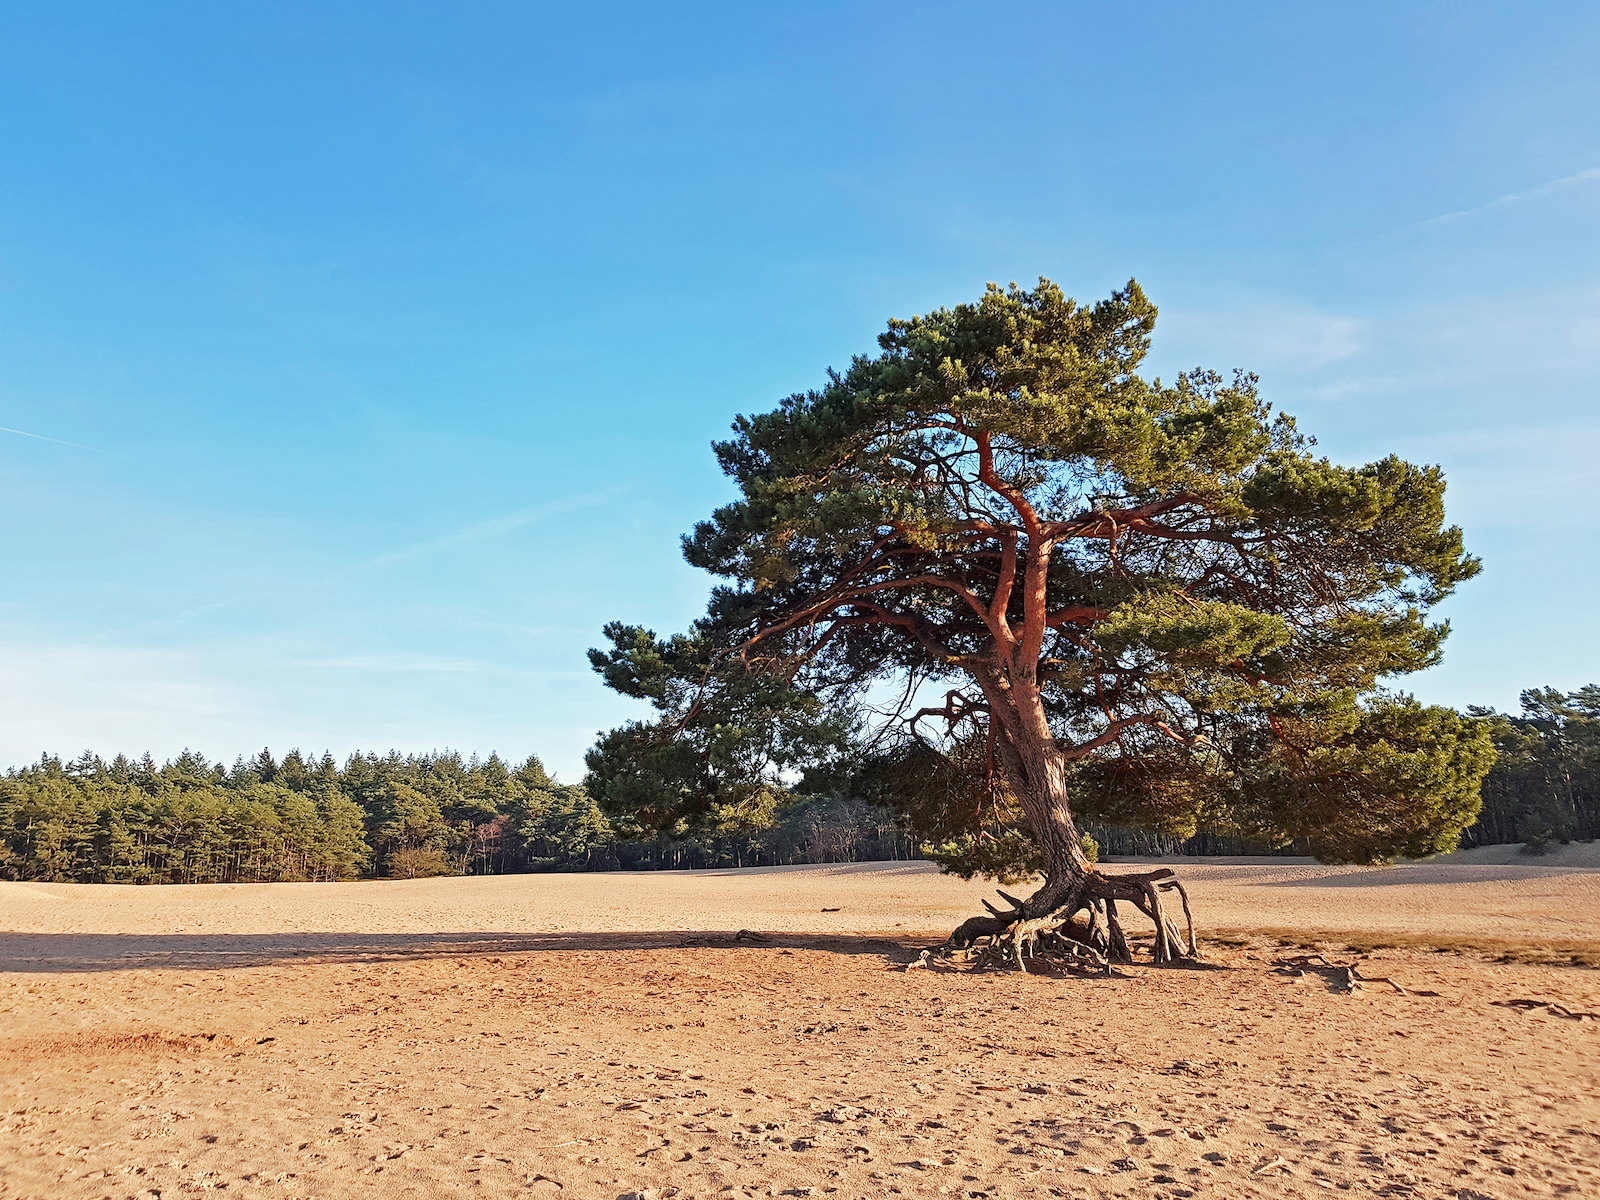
<point x="1173" y="885"/>
<point x="980" y="957"/>
<point x="1118" y="939"/>
<point x="1356" y="979"/>
<point x="1025" y="936"/>
<point x="1169" y="944"/>
<point x="1074" y="947"/>
<point x="1093" y="939"/>
<point x="1302" y="960"/>
<point x="1047" y="919"/>
<point x="970" y="931"/>
<point x="1561" y="1010"/>
<point x="1555" y="1010"/>
<point x="1348" y="974"/>
<point x="1099" y="931"/>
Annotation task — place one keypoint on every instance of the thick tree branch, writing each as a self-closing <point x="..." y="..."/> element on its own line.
<point x="1002" y="589"/>
<point x="1076" y="614"/>
<point x="1112" y="733"/>
<point x="836" y="599"/>
<point x="991" y="479"/>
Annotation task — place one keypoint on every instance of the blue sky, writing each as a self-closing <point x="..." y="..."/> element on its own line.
<point x="357" y="362"/>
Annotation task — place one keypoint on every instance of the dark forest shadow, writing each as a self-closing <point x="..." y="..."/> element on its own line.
<point x="97" y="952"/>
<point x="1426" y="875"/>
<point x="89" y="953"/>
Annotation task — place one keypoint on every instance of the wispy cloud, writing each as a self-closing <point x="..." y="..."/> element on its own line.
<point x="1279" y="337"/>
<point x="235" y="694"/>
<point x="494" y="527"/>
<point x="1544" y="189"/>
<point x="60" y="442"/>
<point x="63" y="698"/>
<point x="402" y="663"/>
<point x="479" y="531"/>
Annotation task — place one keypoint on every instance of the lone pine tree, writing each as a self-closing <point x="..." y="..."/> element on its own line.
<point x="1148" y="602"/>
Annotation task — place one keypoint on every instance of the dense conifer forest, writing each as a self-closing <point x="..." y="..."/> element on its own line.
<point x="300" y="819"/>
<point x="1543" y="790"/>
<point x="308" y="819"/>
<point x="1545" y="785"/>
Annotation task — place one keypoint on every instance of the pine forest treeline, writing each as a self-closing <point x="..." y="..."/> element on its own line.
<point x="307" y="819"/>
<point x="1543" y="789"/>
<point x="1545" y="785"/>
<point x="191" y="821"/>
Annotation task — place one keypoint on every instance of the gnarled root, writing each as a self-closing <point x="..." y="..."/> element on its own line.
<point x="1048" y="921"/>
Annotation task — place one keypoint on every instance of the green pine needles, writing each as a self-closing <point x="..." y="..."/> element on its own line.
<point x="1087" y="594"/>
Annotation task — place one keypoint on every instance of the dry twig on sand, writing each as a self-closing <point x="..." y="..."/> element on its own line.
<point x="1554" y="1009"/>
<point x="1345" y="973"/>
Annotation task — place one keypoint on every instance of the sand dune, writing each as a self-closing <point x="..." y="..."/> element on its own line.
<point x="601" y="1035"/>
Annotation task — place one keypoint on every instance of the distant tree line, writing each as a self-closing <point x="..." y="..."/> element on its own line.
<point x="307" y="819"/>
<point x="1545" y="784"/>
<point x="1544" y="787"/>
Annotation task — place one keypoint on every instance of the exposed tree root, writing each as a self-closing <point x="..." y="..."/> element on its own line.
<point x="1048" y="922"/>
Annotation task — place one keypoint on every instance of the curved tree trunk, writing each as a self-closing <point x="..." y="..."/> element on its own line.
<point x="1036" y="768"/>
<point x="1038" y="778"/>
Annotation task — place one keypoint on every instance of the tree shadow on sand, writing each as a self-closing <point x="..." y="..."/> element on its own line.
<point x="65" y="953"/>
<point x="1429" y="875"/>
<point x="98" y="952"/>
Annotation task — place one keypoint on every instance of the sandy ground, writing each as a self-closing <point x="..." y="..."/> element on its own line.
<point x="601" y="1035"/>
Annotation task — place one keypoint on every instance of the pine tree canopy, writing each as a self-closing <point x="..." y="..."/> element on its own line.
<point x="1146" y="602"/>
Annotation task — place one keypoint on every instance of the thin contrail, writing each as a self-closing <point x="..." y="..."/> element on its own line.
<point x="472" y="533"/>
<point x="1544" y="189"/>
<point x="488" y="529"/>
<point x="58" y="441"/>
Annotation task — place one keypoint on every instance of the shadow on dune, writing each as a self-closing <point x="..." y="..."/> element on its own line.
<point x="1428" y="876"/>
<point x="85" y="952"/>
